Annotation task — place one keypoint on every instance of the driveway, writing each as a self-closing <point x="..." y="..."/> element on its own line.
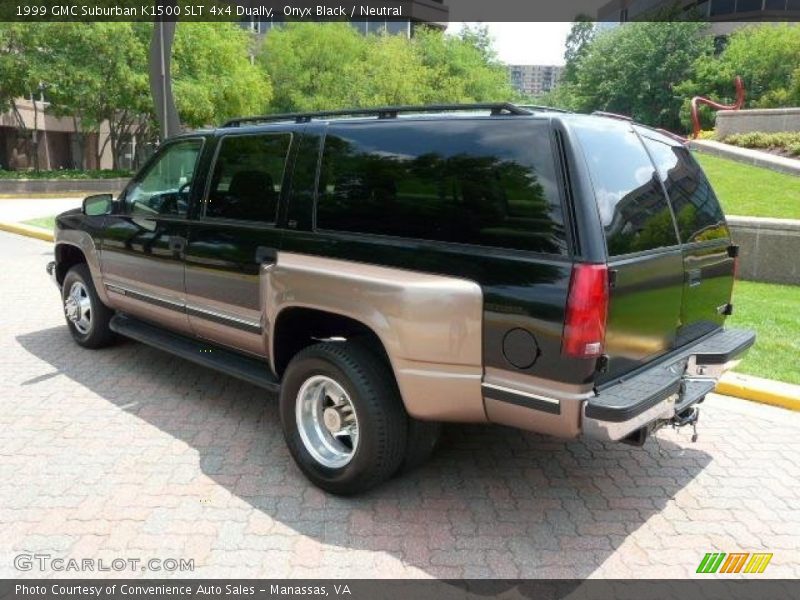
<point x="131" y="453"/>
<point x="16" y="210"/>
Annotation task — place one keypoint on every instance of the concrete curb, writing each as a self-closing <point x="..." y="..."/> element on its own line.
<point x="27" y="230"/>
<point x="756" y="158"/>
<point x="756" y="389"/>
<point x="765" y="391"/>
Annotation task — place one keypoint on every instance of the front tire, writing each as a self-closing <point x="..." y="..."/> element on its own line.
<point x="87" y="317"/>
<point x="342" y="416"/>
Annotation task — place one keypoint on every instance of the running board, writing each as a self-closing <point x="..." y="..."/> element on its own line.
<point x="231" y="363"/>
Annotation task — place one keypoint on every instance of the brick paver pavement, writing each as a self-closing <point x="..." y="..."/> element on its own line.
<point x="130" y="453"/>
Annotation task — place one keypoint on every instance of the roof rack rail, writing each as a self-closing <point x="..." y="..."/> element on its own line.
<point x="543" y="108"/>
<point x="384" y="112"/>
<point x="611" y="115"/>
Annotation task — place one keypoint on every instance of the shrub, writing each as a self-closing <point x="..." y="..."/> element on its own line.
<point x="788" y="142"/>
<point x="65" y="174"/>
<point x="707" y="134"/>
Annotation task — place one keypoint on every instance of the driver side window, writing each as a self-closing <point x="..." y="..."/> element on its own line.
<point x="164" y="188"/>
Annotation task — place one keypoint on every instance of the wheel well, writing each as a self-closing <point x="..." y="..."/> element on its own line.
<point x="298" y="328"/>
<point x="67" y="256"/>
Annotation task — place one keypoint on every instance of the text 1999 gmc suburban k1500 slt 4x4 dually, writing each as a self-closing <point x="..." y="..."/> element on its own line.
<point x="388" y="270"/>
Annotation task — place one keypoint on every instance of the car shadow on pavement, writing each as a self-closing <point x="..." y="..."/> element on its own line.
<point x="492" y="502"/>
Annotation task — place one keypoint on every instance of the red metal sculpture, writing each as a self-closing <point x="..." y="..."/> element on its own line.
<point x="716" y="105"/>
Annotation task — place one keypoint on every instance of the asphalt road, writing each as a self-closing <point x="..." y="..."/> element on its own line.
<point x="131" y="453"/>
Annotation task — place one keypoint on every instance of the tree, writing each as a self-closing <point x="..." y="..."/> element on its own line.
<point x="213" y="76"/>
<point x="315" y="66"/>
<point x="765" y="56"/>
<point x="578" y="40"/>
<point x="633" y="70"/>
<point x="462" y="68"/>
<point x="20" y="77"/>
<point x="111" y="87"/>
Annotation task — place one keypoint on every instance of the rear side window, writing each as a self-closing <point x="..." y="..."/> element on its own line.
<point x="696" y="207"/>
<point x="487" y="182"/>
<point x="633" y="209"/>
<point x="247" y="178"/>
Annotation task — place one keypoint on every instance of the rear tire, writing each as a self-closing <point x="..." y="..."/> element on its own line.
<point x="342" y="416"/>
<point x="87" y="317"/>
<point x="423" y="439"/>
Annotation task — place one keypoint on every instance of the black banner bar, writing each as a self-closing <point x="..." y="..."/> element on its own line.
<point x="735" y="588"/>
<point x="440" y="11"/>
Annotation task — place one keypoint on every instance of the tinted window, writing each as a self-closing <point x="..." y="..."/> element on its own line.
<point x="487" y="182"/>
<point x="634" y="212"/>
<point x="164" y="187"/>
<point x="247" y="179"/>
<point x="696" y="207"/>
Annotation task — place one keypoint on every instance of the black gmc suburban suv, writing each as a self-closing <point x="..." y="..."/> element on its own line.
<point x="388" y="270"/>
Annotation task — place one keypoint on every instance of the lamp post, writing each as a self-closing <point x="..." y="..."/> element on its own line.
<point x="160" y="79"/>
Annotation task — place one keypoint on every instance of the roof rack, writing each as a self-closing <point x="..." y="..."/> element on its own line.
<point x="384" y="112"/>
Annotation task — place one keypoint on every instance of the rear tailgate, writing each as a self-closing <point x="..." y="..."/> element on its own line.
<point x="708" y="258"/>
<point x="645" y="258"/>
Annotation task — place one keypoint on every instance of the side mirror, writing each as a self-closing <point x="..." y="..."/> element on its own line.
<point x="98" y="205"/>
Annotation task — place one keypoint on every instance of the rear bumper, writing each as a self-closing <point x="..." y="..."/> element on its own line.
<point x="664" y="390"/>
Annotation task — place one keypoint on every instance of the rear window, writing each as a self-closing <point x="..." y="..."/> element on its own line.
<point x="696" y="207"/>
<point x="633" y="209"/>
<point x="487" y="182"/>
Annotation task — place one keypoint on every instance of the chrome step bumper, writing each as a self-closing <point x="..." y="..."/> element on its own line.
<point x="665" y="389"/>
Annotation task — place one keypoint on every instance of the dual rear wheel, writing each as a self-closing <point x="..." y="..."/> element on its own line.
<point x="344" y="421"/>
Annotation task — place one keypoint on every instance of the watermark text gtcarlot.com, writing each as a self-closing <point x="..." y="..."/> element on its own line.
<point x="46" y="562"/>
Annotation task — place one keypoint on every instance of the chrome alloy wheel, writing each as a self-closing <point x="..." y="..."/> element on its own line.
<point x="78" y="307"/>
<point x="326" y="421"/>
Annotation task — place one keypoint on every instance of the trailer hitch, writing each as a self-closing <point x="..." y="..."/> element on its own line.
<point x="687" y="417"/>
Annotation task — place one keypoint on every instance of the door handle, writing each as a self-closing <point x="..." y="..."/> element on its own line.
<point x="694" y="276"/>
<point x="177" y="243"/>
<point x="265" y="254"/>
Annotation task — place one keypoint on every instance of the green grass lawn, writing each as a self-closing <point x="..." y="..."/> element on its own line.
<point x="43" y="222"/>
<point x="750" y="191"/>
<point x="773" y="312"/>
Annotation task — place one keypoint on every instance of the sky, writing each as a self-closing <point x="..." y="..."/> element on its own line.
<point x="527" y="43"/>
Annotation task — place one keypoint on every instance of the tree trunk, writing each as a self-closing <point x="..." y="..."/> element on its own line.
<point x="81" y="143"/>
<point x="35" y="134"/>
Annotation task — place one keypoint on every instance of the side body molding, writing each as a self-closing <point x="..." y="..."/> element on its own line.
<point x="430" y="325"/>
<point x="84" y="242"/>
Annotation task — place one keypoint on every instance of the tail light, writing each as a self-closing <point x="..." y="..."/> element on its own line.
<point x="733" y="252"/>
<point x="587" y="307"/>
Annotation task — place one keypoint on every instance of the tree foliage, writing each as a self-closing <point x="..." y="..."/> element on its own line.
<point x="316" y="66"/>
<point x="580" y="37"/>
<point x="765" y="56"/>
<point x="19" y="71"/>
<point x="463" y="67"/>
<point x="633" y="70"/>
<point x="111" y="86"/>
<point x="213" y="78"/>
<point x="651" y="70"/>
<point x="97" y="74"/>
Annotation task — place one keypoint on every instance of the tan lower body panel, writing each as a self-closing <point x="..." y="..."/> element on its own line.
<point x="244" y="341"/>
<point x="170" y="318"/>
<point x="564" y="425"/>
<point x="83" y="241"/>
<point x="440" y="392"/>
<point x="430" y="325"/>
<point x="567" y="400"/>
